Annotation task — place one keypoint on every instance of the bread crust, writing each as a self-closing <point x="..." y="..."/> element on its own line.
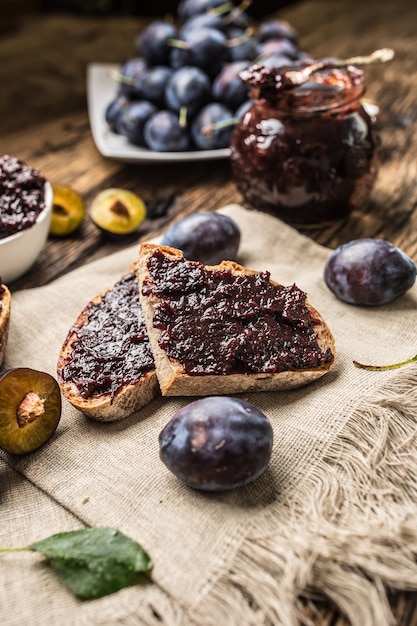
<point x="172" y="378"/>
<point x="5" y="311"/>
<point x="104" y="408"/>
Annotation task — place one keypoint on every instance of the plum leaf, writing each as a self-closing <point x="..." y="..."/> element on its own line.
<point x="94" y="562"/>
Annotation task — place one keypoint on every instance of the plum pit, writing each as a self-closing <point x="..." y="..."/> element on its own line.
<point x="30" y="409"/>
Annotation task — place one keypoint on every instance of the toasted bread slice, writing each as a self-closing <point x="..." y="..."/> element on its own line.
<point x="5" y="307"/>
<point x="105" y="367"/>
<point x="203" y="364"/>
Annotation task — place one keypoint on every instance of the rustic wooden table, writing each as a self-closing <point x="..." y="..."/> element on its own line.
<point x="44" y="121"/>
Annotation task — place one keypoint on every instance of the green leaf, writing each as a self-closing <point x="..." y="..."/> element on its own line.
<point x="94" y="562"/>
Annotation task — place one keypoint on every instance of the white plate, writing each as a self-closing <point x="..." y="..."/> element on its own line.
<point x="101" y="89"/>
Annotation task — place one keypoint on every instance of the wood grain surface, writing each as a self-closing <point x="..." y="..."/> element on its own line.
<point x="44" y="121"/>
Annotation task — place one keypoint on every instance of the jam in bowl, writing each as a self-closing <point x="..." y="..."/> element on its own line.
<point x="306" y="153"/>
<point x="26" y="200"/>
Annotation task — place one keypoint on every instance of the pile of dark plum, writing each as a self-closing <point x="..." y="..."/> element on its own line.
<point x="183" y="90"/>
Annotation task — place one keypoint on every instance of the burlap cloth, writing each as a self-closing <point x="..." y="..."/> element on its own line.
<point x="334" y="514"/>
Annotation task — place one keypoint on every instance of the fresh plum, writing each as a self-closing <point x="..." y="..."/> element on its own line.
<point x="213" y="126"/>
<point x="133" y="118"/>
<point x="206" y="237"/>
<point x="153" y="42"/>
<point x="204" y="20"/>
<point x="129" y="76"/>
<point x="189" y="8"/>
<point x="189" y="88"/>
<point x="114" y="112"/>
<point x="228" y="88"/>
<point x="242" y="45"/>
<point x="217" y="443"/>
<point x="277" y="29"/>
<point x="163" y="132"/>
<point x="153" y="83"/>
<point x="369" y="272"/>
<point x="204" y="47"/>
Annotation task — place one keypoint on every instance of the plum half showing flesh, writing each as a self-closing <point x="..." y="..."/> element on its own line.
<point x="30" y="409"/>
<point x="117" y="212"/>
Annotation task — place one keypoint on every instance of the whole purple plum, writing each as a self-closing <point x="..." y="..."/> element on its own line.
<point x="217" y="443"/>
<point x="369" y="272"/>
<point x="207" y="237"/>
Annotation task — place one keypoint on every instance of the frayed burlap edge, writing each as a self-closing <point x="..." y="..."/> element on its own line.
<point x="348" y="534"/>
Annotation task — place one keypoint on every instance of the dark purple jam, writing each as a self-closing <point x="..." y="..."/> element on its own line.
<point x="22" y="195"/>
<point x="306" y="154"/>
<point x="214" y="322"/>
<point x="112" y="347"/>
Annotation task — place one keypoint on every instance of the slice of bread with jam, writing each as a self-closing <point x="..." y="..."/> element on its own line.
<point x="227" y="329"/>
<point x="105" y="367"/>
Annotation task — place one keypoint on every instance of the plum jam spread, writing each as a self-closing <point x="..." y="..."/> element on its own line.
<point x="112" y="347"/>
<point x="305" y="153"/>
<point x="22" y="196"/>
<point x="214" y="322"/>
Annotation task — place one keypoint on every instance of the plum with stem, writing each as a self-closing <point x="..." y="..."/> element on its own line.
<point x="129" y="75"/>
<point x="228" y="88"/>
<point x="188" y="8"/>
<point x="153" y="83"/>
<point x="153" y="42"/>
<point x="204" y="47"/>
<point x="165" y="131"/>
<point x="213" y="127"/>
<point x="188" y="87"/>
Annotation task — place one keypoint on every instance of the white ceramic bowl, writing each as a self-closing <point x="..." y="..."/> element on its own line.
<point x="19" y="252"/>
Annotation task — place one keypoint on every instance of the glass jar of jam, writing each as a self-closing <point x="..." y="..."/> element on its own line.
<point x="305" y="153"/>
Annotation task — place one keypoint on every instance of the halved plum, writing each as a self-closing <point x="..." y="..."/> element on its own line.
<point x="68" y="211"/>
<point x="117" y="212"/>
<point x="30" y="409"/>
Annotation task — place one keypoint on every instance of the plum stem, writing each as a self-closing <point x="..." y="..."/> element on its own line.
<point x="15" y="550"/>
<point x="243" y="38"/>
<point x="385" y="367"/>
<point x="183" y="114"/>
<point x="119" y="77"/>
<point x="209" y="129"/>
<point x="179" y="43"/>
<point x="236" y="11"/>
<point x="221" y="9"/>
